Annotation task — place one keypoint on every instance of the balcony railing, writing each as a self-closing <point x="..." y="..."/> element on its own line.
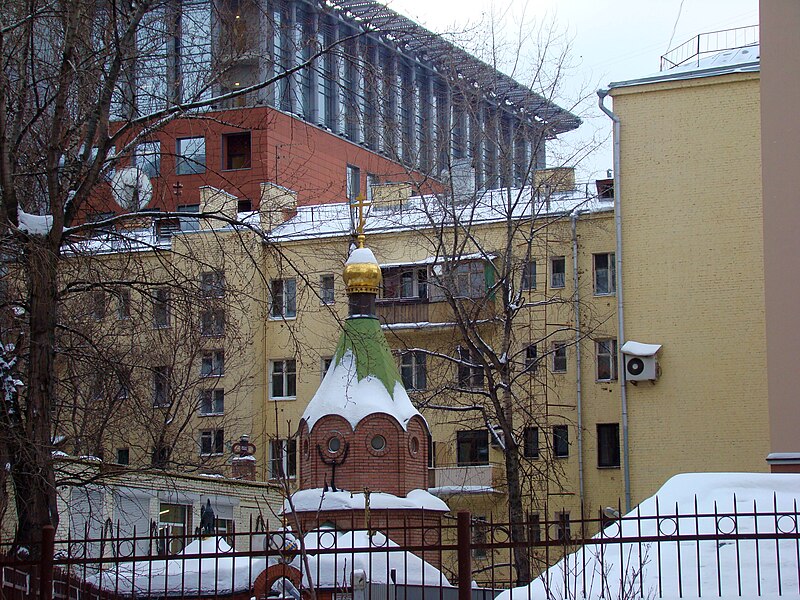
<point x="467" y="479"/>
<point x="399" y="311"/>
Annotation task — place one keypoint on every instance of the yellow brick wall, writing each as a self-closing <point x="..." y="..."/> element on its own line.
<point x="693" y="275"/>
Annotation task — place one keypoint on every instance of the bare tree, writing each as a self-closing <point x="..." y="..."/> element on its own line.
<point x="78" y="92"/>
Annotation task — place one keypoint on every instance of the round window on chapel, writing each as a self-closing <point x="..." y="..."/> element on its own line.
<point x="378" y="443"/>
<point x="334" y="444"/>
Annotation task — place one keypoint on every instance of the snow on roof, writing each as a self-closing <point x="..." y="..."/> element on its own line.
<point x="640" y="349"/>
<point x="454" y="490"/>
<point x="317" y="499"/>
<point x="328" y="220"/>
<point x="737" y="60"/>
<point x="218" y="574"/>
<point x="336" y="569"/>
<point x="362" y="380"/>
<point x="34" y="224"/>
<point x="712" y="493"/>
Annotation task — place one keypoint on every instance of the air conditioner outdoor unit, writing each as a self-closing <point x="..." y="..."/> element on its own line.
<point x="640" y="361"/>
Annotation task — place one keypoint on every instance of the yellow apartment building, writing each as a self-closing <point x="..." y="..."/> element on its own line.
<point x="690" y="207"/>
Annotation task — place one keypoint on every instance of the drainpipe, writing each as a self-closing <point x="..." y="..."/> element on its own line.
<point x="576" y="306"/>
<point x="601" y="95"/>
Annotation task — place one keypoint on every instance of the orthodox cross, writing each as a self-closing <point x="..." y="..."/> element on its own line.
<point x="361" y="202"/>
<point x="177" y="186"/>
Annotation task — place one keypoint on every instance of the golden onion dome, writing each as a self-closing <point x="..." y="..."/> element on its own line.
<point x="362" y="274"/>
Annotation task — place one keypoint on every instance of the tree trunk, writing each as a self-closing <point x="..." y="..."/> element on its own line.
<point x="32" y="466"/>
<point x="516" y="514"/>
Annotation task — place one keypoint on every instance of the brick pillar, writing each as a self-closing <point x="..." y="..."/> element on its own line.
<point x="244" y="467"/>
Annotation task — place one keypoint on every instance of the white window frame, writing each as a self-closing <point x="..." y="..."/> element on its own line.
<point x="410" y="283"/>
<point x="531" y="358"/>
<point x="279" y="465"/>
<point x="212" y="363"/>
<point x="414" y="364"/>
<point x="287" y="377"/>
<point x="212" y="402"/>
<point x="283" y="300"/>
<point x="212" y="442"/>
<point x="147" y="157"/>
<point x="528" y="278"/>
<point x="606" y="353"/>
<point x="605" y="279"/>
<point x="554" y="282"/>
<point x="212" y="322"/>
<point x="560" y="353"/>
<point x="327" y="289"/>
<point x="212" y="284"/>
<point x="325" y="363"/>
<point x="161" y="386"/>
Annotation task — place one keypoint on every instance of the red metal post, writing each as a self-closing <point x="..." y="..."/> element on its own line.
<point x="46" y="563"/>
<point x="464" y="539"/>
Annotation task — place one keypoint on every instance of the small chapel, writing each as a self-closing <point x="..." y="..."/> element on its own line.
<point x="363" y="446"/>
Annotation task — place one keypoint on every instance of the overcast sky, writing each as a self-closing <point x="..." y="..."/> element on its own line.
<point x="610" y="41"/>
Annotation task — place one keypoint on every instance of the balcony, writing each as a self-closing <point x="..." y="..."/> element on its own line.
<point x="471" y="479"/>
<point x="403" y="311"/>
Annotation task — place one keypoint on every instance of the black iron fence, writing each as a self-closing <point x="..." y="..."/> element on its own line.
<point x="665" y="553"/>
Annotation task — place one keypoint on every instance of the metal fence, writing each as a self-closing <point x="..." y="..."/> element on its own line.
<point x="666" y="553"/>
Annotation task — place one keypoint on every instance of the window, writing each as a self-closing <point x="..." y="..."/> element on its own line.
<point x="147" y="157"/>
<point x="608" y="445"/>
<point x="530" y="442"/>
<point x="531" y="358"/>
<point x="161" y="386"/>
<point x="560" y="441"/>
<point x="212" y="441"/>
<point x="160" y="456"/>
<point x="212" y="322"/>
<point x="326" y="289"/>
<point x="212" y="284"/>
<point x="212" y="402"/>
<point x="405" y="282"/>
<point x="174" y="524"/>
<point x="284" y="378"/>
<point x="191" y="156"/>
<point x="123" y="304"/>
<point x="558" y="272"/>
<point x="282" y="459"/>
<point x="470" y="373"/>
<point x="284" y="298"/>
<point x="161" y="307"/>
<point x="324" y="366"/>
<point x="468" y="280"/>
<point x="605" y="274"/>
<point x="244" y="205"/>
<point x="98" y="306"/>
<point x="123" y="456"/>
<point x="606" y="360"/>
<point x="529" y="275"/>
<point x="563" y="529"/>
<point x="413" y="371"/>
<point x="236" y="151"/>
<point x="559" y="357"/>
<point x="472" y="447"/>
<point x="212" y="363"/>
<point x="534" y="528"/>
<point x="189" y="223"/>
<point x="372" y="181"/>
<point x="353" y="182"/>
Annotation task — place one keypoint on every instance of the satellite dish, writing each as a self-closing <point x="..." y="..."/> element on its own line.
<point x="131" y="188"/>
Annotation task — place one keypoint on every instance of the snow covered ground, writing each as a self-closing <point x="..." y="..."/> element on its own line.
<point x="691" y="569"/>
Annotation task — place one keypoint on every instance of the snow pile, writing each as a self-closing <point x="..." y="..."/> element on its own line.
<point x="218" y="574"/>
<point x="34" y="224"/>
<point x="336" y="569"/>
<point x="631" y="570"/>
<point x="317" y="499"/>
<point x="342" y="393"/>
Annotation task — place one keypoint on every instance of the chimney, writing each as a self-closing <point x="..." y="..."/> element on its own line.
<point x="462" y="177"/>
<point x="278" y="205"/>
<point x="243" y="464"/>
<point x="219" y="202"/>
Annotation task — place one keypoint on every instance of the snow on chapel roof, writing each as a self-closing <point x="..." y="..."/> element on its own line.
<point x="362" y="380"/>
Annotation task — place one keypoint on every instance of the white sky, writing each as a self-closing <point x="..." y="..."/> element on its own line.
<point x="610" y="41"/>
